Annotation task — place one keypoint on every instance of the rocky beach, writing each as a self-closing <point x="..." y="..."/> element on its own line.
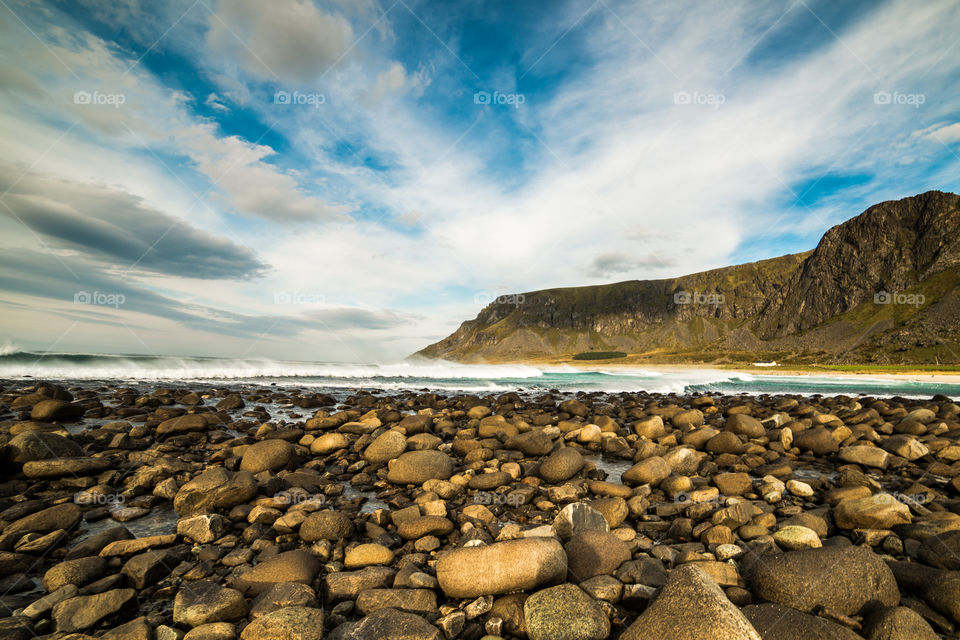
<point x="279" y="513"/>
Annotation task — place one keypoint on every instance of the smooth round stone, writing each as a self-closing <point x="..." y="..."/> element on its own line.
<point x="389" y="445"/>
<point x="364" y="555"/>
<point x="795" y="537"/>
<point x="564" y="612"/>
<point x="798" y="488"/>
<point x="326" y="525"/>
<point x="267" y="455"/>
<point x="289" y="623"/>
<point x="561" y="465"/>
<point x="501" y="567"/>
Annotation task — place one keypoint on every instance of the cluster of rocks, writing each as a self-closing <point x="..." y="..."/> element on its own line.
<point x="297" y="516"/>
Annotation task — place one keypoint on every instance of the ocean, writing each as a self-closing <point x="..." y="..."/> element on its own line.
<point x="444" y="376"/>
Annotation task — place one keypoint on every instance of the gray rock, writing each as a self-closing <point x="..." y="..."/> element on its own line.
<point x="843" y="578"/>
<point x="691" y="607"/>
<point x="577" y="517"/>
<point x="564" y="612"/>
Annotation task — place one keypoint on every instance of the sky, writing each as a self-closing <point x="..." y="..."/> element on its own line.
<point x="348" y="181"/>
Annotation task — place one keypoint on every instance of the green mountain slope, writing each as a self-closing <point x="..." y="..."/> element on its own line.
<point x="879" y="288"/>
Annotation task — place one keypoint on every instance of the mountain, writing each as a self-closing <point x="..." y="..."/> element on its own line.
<point x="881" y="288"/>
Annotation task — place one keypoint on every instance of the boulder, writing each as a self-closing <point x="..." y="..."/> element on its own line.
<point x="326" y="525"/>
<point x="843" y="578"/>
<point x="650" y="471"/>
<point x="564" y="612"/>
<point x="393" y="624"/>
<point x="289" y="623"/>
<point x="691" y="607"/>
<point x="594" y="553"/>
<point x="416" y="467"/>
<point x="783" y="623"/>
<point x="561" y="465"/>
<point x="389" y="445"/>
<point x="267" y="455"/>
<point x="84" y="612"/>
<point x="205" y="601"/>
<point x="38" y="445"/>
<point x="61" y="516"/>
<point x="215" y="489"/>
<point x="59" y="467"/>
<point x="76" y="572"/>
<point x="897" y="623"/>
<point x="881" y="511"/>
<point x="289" y="566"/>
<point x="501" y="567"/>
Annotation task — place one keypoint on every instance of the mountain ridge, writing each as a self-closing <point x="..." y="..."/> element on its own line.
<point x="881" y="287"/>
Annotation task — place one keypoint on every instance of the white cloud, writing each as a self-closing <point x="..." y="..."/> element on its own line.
<point x="285" y="40"/>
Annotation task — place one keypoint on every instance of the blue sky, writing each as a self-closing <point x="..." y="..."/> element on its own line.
<point x="349" y="181"/>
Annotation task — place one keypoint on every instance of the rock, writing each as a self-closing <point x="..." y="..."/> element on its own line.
<point x="17" y="628"/>
<point x="577" y="517"/>
<point x="74" y="572"/>
<point x="204" y="528"/>
<point x="512" y="565"/>
<point x="866" y="455"/>
<point x="896" y="623"/>
<point x="389" y="445"/>
<point x="211" y="631"/>
<point x="215" y="489"/>
<point x="594" y="553"/>
<point x="881" y="511"/>
<point x="204" y="601"/>
<point x="151" y="567"/>
<point x="41" y="606"/>
<point x="574" y="407"/>
<point x="328" y="443"/>
<point x="490" y="481"/>
<point x="416" y="467"/>
<point x="691" y="607"/>
<point x="420" y="601"/>
<point x="650" y="428"/>
<point x="283" y="594"/>
<point x="942" y="550"/>
<point x="817" y="440"/>
<point x="724" y="442"/>
<point x="136" y="545"/>
<point x="289" y="623"/>
<point x="59" y="467"/>
<point x="564" y="612"/>
<point x="37" y="445"/>
<point x="393" y="624"/>
<point x="61" y="516"/>
<point x="733" y="484"/>
<point x="531" y="443"/>
<point x="364" y="555"/>
<point x="347" y="585"/>
<point x="137" y="629"/>
<point x="742" y="424"/>
<point x="650" y="471"/>
<point x="843" y="578"/>
<point x="267" y="455"/>
<point x="182" y="424"/>
<point x="688" y="419"/>
<point x="906" y="446"/>
<point x="231" y="402"/>
<point x="424" y="526"/>
<point x="614" y="510"/>
<point x="289" y="566"/>
<point x="799" y="489"/>
<point x="561" y="465"/>
<point x="793" y="537"/>
<point x="326" y="525"/>
<point x="84" y="612"/>
<point x="775" y="621"/>
<point x="61" y="410"/>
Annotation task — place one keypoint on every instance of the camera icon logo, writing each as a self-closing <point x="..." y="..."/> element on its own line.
<point x="882" y="297"/>
<point x="882" y="97"/>
<point x="682" y="97"/>
<point x="281" y="97"/>
<point x="481" y="97"/>
<point x="82" y="97"/>
<point x="681" y="297"/>
<point x="82" y="297"/>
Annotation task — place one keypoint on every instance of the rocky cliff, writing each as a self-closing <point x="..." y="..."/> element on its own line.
<point x="879" y="288"/>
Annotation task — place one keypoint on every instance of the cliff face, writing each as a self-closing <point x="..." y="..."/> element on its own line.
<point x="809" y="306"/>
